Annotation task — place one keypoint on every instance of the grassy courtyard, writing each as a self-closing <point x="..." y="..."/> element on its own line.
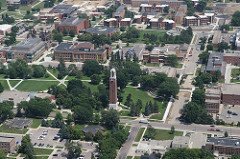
<point x="13" y="82"/>
<point x="36" y="123"/>
<point x="30" y="85"/>
<point x="234" y="74"/>
<point x="93" y="88"/>
<point x="4" y="84"/>
<point x="164" y="134"/>
<point x="40" y="151"/>
<point x="140" y="94"/>
<point x="139" y="134"/>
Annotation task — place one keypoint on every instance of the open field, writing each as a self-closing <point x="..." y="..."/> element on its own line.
<point x="29" y="85"/>
<point x="41" y="151"/>
<point x="164" y="134"/>
<point x="13" y="82"/>
<point x="36" y="123"/>
<point x="4" y="84"/>
<point x="140" y="94"/>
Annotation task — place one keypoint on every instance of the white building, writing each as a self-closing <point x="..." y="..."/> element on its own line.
<point x="5" y="28"/>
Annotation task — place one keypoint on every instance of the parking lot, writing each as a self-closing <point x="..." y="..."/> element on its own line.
<point x="87" y="148"/>
<point x="47" y="139"/>
<point x="230" y="114"/>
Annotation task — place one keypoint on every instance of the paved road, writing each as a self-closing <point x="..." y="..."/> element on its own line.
<point x="233" y="131"/>
<point x="123" y="152"/>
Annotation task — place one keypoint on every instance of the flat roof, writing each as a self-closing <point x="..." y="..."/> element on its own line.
<point x="6" y="139"/>
<point x="5" y="27"/>
<point x="212" y="101"/>
<point x="225" y="141"/>
<point x="154" y="20"/>
<point x="184" y="140"/>
<point x="215" y="61"/>
<point x="168" y="21"/>
<point x="110" y="19"/>
<point x="232" y="89"/>
<point x="137" y="16"/>
<point x="190" y="17"/>
<point x="101" y="30"/>
<point x="126" y="19"/>
<point x="72" y="21"/>
<point x="209" y="14"/>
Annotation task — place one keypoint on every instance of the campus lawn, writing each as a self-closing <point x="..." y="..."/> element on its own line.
<point x="40" y="6"/>
<point x="140" y="94"/>
<point x="4" y="84"/>
<point x="6" y="129"/>
<point x="2" y="76"/>
<point x="14" y="82"/>
<point x="29" y="85"/>
<point x="68" y="38"/>
<point x="129" y="157"/>
<point x="139" y="135"/>
<point x="125" y="112"/>
<point x="151" y="31"/>
<point x="164" y="134"/>
<point x="3" y="5"/>
<point x="41" y="151"/>
<point x="36" y="123"/>
<point x="54" y="71"/>
<point x="235" y="72"/>
<point x="157" y="116"/>
<point x="93" y="88"/>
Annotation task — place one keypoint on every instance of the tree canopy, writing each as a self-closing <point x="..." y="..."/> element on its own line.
<point x="236" y="19"/>
<point x="91" y="67"/>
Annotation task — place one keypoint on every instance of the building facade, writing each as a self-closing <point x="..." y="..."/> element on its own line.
<point x="81" y="51"/>
<point x="73" y="24"/>
<point x="7" y="144"/>
<point x="230" y="94"/>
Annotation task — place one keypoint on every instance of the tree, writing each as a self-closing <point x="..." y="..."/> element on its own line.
<point x="128" y="100"/>
<point x="26" y="147"/>
<point x="38" y="71"/>
<point x="172" y="130"/>
<point x="95" y="79"/>
<point x="194" y="113"/>
<point x="57" y="36"/>
<point x="183" y="153"/>
<point x="110" y="118"/>
<point x="62" y="69"/>
<point x="19" y="69"/>
<point x="1" y="88"/>
<point x="166" y="9"/>
<point x="225" y="134"/>
<point x="155" y="107"/>
<point x="222" y="46"/>
<point x="236" y="19"/>
<point x="2" y="153"/>
<point x="83" y="114"/>
<point x="168" y="88"/>
<point x="37" y="107"/>
<point x="172" y="60"/>
<point x="201" y="5"/>
<point x="91" y="67"/>
<point x="150" y="133"/>
<point x="58" y="121"/>
<point x="147" y="110"/>
<point x="198" y="96"/>
<point x="71" y="33"/>
<point x="74" y="150"/>
<point x="6" y="110"/>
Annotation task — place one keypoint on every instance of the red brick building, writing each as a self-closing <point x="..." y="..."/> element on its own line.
<point x="81" y="51"/>
<point x="73" y="24"/>
<point x="230" y="94"/>
<point x="126" y="22"/>
<point x="111" y="22"/>
<point x="232" y="58"/>
<point x="212" y="100"/>
<point x="223" y="145"/>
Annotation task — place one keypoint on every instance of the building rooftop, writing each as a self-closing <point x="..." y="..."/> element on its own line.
<point x="168" y="21"/>
<point x="216" y="37"/>
<point x="110" y="19"/>
<point x="145" y="5"/>
<point x="137" y="16"/>
<point x="92" y="129"/>
<point x="119" y="10"/>
<point x="209" y="14"/>
<point x="126" y="19"/>
<point x="212" y="101"/>
<point x="63" y="9"/>
<point x="71" y="21"/>
<point x="101" y="30"/>
<point x="5" y="27"/>
<point x="232" y="89"/>
<point x="236" y="54"/>
<point x="6" y="139"/>
<point x="202" y="16"/>
<point x="162" y="5"/>
<point x="224" y="141"/>
<point x="154" y="20"/>
<point x="190" y="17"/>
<point x="215" y="61"/>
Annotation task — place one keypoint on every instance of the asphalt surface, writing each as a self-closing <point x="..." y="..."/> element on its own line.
<point x="123" y="152"/>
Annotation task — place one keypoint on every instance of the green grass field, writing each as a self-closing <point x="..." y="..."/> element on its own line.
<point x="40" y="151"/>
<point x="40" y="6"/>
<point x="29" y="85"/>
<point x="36" y="123"/>
<point x="125" y="112"/>
<point x="164" y="134"/>
<point x="234" y="74"/>
<point x="157" y="116"/>
<point x="139" y="134"/>
<point x="140" y="94"/>
<point x="93" y="88"/>
<point x="4" y="84"/>
<point x="150" y="31"/>
<point x="68" y="38"/>
<point x="6" y="129"/>
<point x="41" y="157"/>
<point x="54" y="72"/>
<point x="14" y="82"/>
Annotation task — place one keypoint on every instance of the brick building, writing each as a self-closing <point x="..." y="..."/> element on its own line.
<point x="126" y="22"/>
<point x="230" y="94"/>
<point x="7" y="144"/>
<point x="212" y="100"/>
<point x="81" y="51"/>
<point x="137" y="19"/>
<point x="232" y="58"/>
<point x="190" y="21"/>
<point x="73" y="24"/>
<point x="63" y="10"/>
<point x="223" y="145"/>
<point x="111" y="22"/>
